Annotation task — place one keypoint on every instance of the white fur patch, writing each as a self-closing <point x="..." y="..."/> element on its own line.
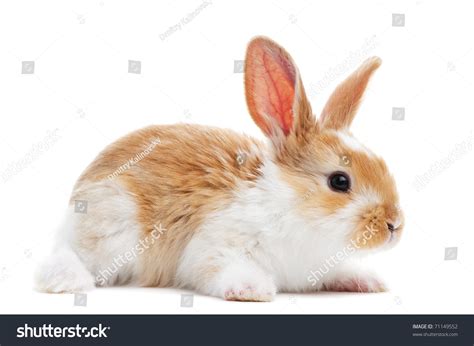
<point x="352" y="143"/>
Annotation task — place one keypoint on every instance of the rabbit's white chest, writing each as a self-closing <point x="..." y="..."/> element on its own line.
<point x="259" y="229"/>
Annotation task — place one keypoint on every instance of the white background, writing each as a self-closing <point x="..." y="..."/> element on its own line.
<point x="81" y="87"/>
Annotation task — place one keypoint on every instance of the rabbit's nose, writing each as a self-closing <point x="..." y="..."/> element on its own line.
<point x="390" y="226"/>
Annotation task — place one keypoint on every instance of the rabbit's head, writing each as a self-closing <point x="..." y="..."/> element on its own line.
<point x="341" y="186"/>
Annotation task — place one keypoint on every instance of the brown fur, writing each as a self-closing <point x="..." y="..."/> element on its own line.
<point x="191" y="173"/>
<point x="342" y="106"/>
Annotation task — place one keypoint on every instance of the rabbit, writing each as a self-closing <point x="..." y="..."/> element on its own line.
<point x="230" y="216"/>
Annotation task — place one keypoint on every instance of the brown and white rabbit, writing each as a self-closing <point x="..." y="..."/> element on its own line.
<point x="229" y="216"/>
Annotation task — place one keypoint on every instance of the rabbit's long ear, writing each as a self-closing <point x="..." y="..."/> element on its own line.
<point x="274" y="91"/>
<point x="344" y="101"/>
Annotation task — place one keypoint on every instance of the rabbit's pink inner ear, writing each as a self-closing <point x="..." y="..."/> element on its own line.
<point x="270" y="78"/>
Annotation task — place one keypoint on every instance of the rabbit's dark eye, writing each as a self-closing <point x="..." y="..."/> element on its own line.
<point x="340" y="182"/>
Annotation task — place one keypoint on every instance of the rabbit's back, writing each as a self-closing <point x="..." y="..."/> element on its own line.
<point x="172" y="176"/>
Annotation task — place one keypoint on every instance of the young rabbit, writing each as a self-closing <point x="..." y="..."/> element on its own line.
<point x="223" y="214"/>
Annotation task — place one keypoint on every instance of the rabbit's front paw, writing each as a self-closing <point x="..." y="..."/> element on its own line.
<point x="250" y="292"/>
<point x="244" y="282"/>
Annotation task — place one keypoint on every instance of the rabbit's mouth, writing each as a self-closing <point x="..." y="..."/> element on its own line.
<point x="392" y="240"/>
<point x="378" y="229"/>
<point x="395" y="234"/>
